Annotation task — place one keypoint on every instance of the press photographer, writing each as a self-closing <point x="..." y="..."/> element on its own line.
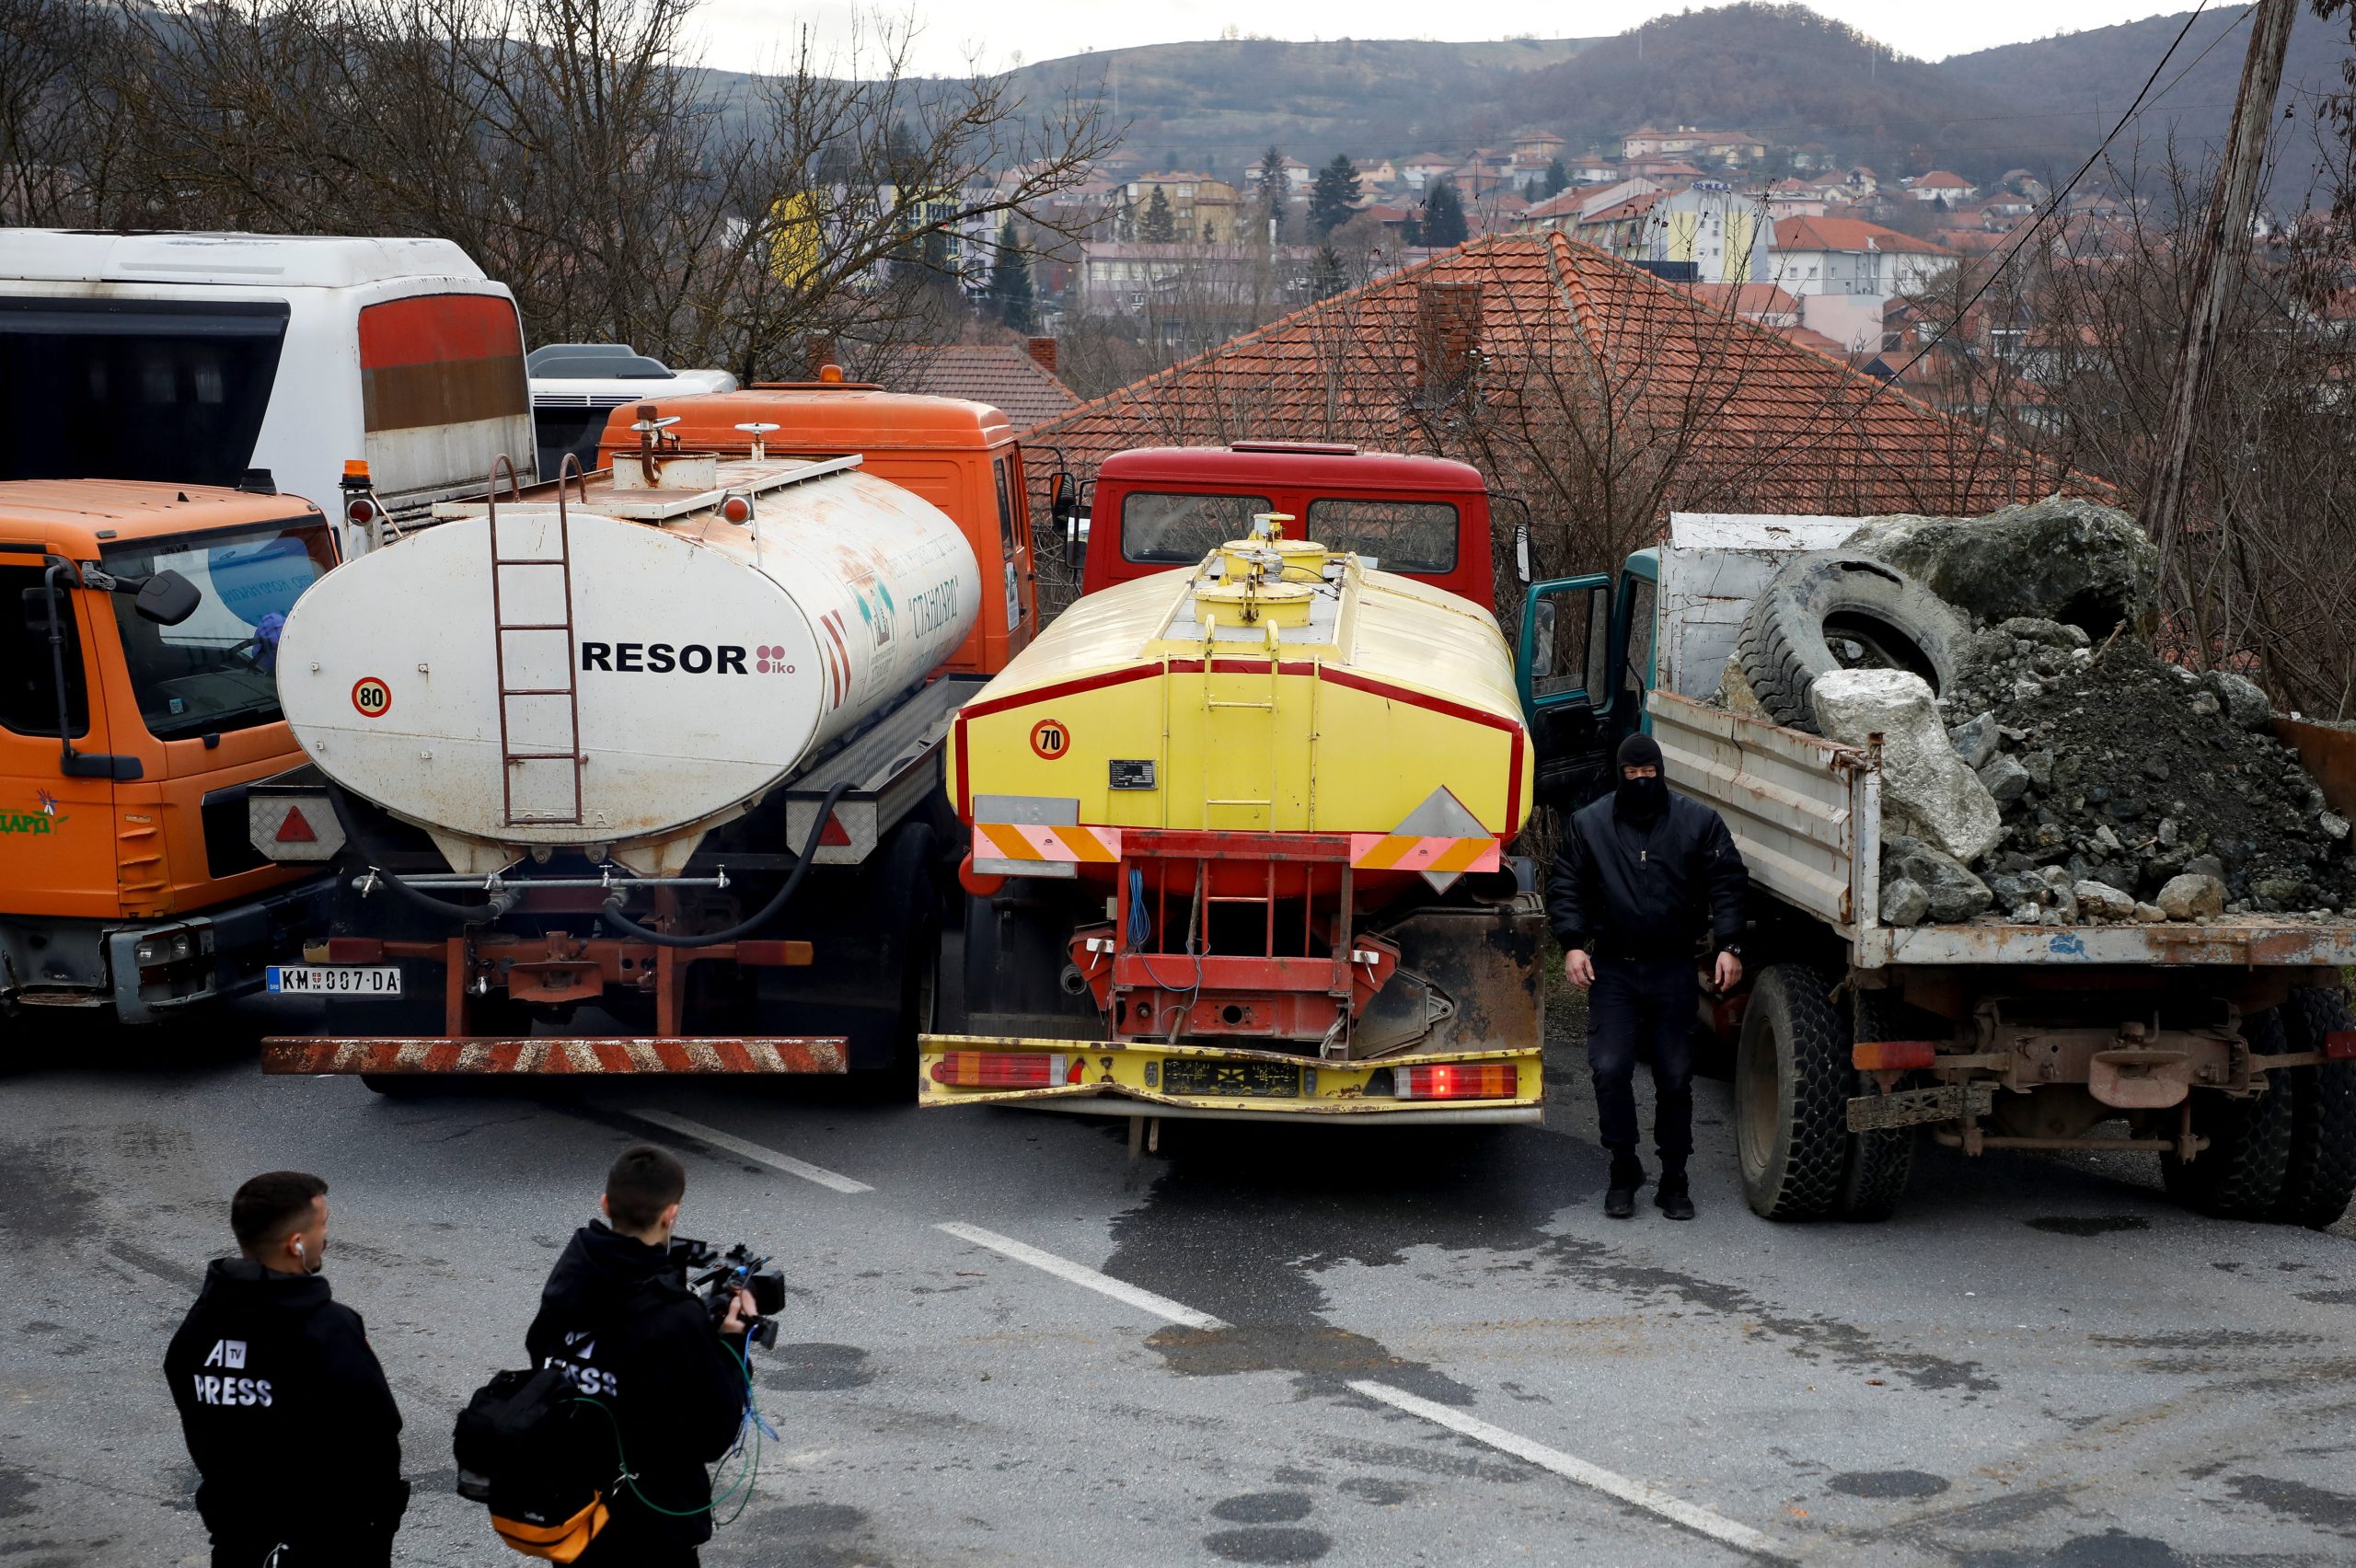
<point x="618" y="1318"/>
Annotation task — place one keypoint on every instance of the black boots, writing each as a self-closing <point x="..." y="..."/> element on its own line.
<point x="1671" y="1197"/>
<point x="1619" y="1191"/>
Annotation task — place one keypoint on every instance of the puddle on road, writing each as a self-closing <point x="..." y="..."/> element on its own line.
<point x="2097" y="1225"/>
<point x="1889" y="1483"/>
<point x="1243" y="1218"/>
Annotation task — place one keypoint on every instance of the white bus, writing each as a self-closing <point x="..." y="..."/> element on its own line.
<point x="198" y="358"/>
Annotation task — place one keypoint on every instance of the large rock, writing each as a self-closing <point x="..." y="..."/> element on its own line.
<point x="1950" y="893"/>
<point x="2056" y="559"/>
<point x="2190" y="895"/>
<point x="2100" y="901"/>
<point x="1926" y="787"/>
<point x="2244" y="699"/>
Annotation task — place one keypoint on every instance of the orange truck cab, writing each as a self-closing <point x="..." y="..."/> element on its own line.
<point x="138" y="697"/>
<point x="959" y="455"/>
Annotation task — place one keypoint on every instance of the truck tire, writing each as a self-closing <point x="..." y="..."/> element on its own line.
<point x="1881" y="1163"/>
<point x="1786" y="639"/>
<point x="903" y="901"/>
<point x="1791" y="1096"/>
<point x="2239" y="1175"/>
<point x="2321" y="1176"/>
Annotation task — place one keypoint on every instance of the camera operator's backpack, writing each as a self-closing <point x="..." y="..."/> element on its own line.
<point x="525" y="1451"/>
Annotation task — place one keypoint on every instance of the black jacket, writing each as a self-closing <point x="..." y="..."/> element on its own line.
<point x="617" y="1316"/>
<point x="1629" y="892"/>
<point x="285" y="1409"/>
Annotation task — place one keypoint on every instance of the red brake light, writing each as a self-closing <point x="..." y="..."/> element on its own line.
<point x="2340" y="1044"/>
<point x="1892" y="1056"/>
<point x="1458" y="1080"/>
<point x="997" y="1069"/>
<point x="736" y="509"/>
<point x="359" y="509"/>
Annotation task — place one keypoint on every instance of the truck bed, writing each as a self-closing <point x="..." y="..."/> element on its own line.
<point x="1806" y="812"/>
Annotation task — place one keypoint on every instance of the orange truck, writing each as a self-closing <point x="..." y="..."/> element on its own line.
<point x="138" y="698"/>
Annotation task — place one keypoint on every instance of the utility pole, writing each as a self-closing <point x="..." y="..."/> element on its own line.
<point x="2217" y="262"/>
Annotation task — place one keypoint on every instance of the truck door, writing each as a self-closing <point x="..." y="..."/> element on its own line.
<point x="57" y="832"/>
<point x="1563" y="666"/>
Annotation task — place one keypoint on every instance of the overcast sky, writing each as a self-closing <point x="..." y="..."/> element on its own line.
<point x="749" y="34"/>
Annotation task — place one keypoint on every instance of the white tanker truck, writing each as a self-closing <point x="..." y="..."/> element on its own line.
<point x="665" y="742"/>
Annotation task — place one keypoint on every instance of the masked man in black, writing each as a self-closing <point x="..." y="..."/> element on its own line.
<point x="618" y="1318"/>
<point x="1640" y="876"/>
<point x="285" y="1410"/>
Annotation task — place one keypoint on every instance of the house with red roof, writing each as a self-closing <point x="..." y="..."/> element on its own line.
<point x="1019" y="382"/>
<point x="1938" y="185"/>
<point x="1425" y="166"/>
<point x="1701" y="409"/>
<point x="1843" y="270"/>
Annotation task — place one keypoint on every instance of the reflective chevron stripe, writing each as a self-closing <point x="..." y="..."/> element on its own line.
<point x="1420" y="852"/>
<point x="1036" y="844"/>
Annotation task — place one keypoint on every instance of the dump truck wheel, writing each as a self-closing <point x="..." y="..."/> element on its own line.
<point x="2239" y="1175"/>
<point x="1791" y="1096"/>
<point x="905" y="901"/>
<point x="2321" y="1176"/>
<point x="1891" y="619"/>
<point x="1881" y="1162"/>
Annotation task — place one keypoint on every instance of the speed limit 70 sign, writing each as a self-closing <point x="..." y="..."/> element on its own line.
<point x="372" y="697"/>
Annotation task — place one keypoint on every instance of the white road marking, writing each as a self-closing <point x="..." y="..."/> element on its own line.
<point x="1742" y="1538"/>
<point x="1084" y="1276"/>
<point x="768" y="1157"/>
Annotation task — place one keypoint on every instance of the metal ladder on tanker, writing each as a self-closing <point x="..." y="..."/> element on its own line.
<point x="1212" y="708"/>
<point x="501" y="627"/>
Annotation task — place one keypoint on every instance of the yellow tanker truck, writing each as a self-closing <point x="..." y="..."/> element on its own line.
<point x="1239" y="850"/>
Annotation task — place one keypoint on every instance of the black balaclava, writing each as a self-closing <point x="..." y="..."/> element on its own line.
<point x="1640" y="801"/>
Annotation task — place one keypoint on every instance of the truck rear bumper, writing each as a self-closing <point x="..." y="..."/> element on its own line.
<point x="1227" y="1083"/>
<point x="554" y="1057"/>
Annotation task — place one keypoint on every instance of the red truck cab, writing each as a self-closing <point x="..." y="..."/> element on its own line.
<point x="1162" y="507"/>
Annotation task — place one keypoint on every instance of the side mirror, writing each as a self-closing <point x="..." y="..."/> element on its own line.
<point x="1061" y="498"/>
<point x="1521" y="554"/>
<point x="168" y="598"/>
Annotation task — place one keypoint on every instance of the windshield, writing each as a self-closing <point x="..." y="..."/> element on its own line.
<point x="1390" y="535"/>
<point x="1164" y="529"/>
<point x="218" y="669"/>
<point x="135" y="389"/>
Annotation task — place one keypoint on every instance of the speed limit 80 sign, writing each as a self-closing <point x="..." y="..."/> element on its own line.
<point x="371" y="697"/>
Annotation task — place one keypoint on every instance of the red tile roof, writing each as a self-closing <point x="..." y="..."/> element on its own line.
<point x="1007" y="378"/>
<point x="1750" y="421"/>
<point x="1939" y="178"/>
<point x="1847" y="233"/>
<point x="1745" y="299"/>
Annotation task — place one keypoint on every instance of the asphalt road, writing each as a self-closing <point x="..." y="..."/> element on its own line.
<point x="1262" y="1346"/>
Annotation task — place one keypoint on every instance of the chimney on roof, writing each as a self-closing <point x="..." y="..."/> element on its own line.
<point x="1042" y="349"/>
<point x="1447" y="341"/>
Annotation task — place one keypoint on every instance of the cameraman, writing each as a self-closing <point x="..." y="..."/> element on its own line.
<point x="284" y="1407"/>
<point x="618" y="1318"/>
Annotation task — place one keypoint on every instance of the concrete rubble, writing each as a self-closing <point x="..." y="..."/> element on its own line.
<point x="2067" y="774"/>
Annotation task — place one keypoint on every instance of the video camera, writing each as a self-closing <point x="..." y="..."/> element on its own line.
<point x="727" y="1273"/>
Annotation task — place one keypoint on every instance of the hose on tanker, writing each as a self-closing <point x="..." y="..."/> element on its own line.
<point x="491" y="909"/>
<point x="767" y="912"/>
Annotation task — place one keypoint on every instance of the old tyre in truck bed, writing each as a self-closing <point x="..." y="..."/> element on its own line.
<point x="2239" y="1175"/>
<point x="1792" y="1084"/>
<point x="2320" y="1175"/>
<point x="1880" y="618"/>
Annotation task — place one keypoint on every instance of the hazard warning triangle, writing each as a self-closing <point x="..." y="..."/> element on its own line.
<point x="295" y="829"/>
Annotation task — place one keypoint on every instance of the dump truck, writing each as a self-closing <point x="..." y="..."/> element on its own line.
<point x="1238" y="838"/>
<point x="665" y="742"/>
<point x="2224" y="1046"/>
<point x="138" y="705"/>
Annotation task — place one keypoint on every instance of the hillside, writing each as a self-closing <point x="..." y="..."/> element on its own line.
<point x="1779" y="71"/>
<point x="1221" y="104"/>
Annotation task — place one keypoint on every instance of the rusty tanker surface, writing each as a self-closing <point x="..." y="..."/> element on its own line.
<point x="1253" y="815"/>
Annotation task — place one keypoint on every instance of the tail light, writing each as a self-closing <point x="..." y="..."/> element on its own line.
<point x="1006" y="1069"/>
<point x="2340" y="1044"/>
<point x="1458" y="1080"/>
<point x="1892" y="1056"/>
<point x="737" y="509"/>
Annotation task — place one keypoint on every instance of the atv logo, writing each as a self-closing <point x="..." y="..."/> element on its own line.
<point x="227" y="1353"/>
<point x="661" y="658"/>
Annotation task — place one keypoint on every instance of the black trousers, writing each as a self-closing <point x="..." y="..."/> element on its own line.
<point x="618" y="1545"/>
<point x="1634" y="1002"/>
